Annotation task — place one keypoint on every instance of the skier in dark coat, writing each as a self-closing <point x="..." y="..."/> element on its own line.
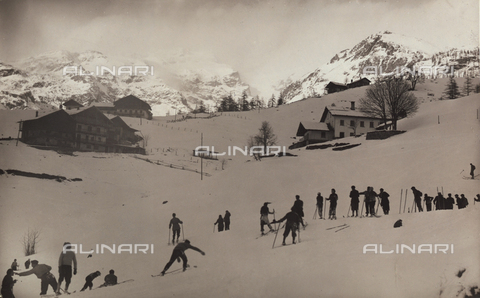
<point x="320" y="204"/>
<point x="417" y="198"/>
<point x="472" y="171"/>
<point x="333" y="198"/>
<point x="65" y="261"/>
<point x="449" y="202"/>
<point x="110" y="279"/>
<point x="226" y="220"/>
<point x="298" y="206"/>
<point x="428" y="202"/>
<point x="464" y="201"/>
<point x="220" y="223"/>
<point x="385" y="203"/>
<point x="14" y="265"/>
<point x="179" y="252"/>
<point x="370" y="200"/>
<point x="293" y="223"/>
<point x="175" y="226"/>
<point x="42" y="272"/>
<point x="89" y="280"/>
<point x="7" y="284"/>
<point x="264" y="212"/>
<point x="439" y="202"/>
<point x="354" y="201"/>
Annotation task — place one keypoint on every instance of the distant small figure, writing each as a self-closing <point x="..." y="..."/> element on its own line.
<point x="175" y="226"/>
<point x="293" y="224"/>
<point x="264" y="212"/>
<point x="354" y="195"/>
<point x="27" y="264"/>
<point x="298" y="206"/>
<point x="472" y="171"/>
<point x="417" y="198"/>
<point x="220" y="223"/>
<point x="42" y="271"/>
<point x="110" y="279"/>
<point x="89" y="280"/>
<point x="449" y="202"/>
<point x="320" y="205"/>
<point x="428" y="202"/>
<point x="385" y="203"/>
<point x="14" y="265"/>
<point x="333" y="198"/>
<point x="439" y="202"/>
<point x="477" y="199"/>
<point x="398" y="223"/>
<point x="226" y="220"/>
<point x="179" y="252"/>
<point x="7" y="284"/>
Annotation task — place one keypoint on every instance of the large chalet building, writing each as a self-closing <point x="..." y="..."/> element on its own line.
<point x="81" y="129"/>
<point x="132" y="106"/>
<point x="333" y="87"/>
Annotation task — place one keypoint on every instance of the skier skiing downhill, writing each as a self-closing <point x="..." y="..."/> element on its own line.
<point x="354" y="201"/>
<point x="264" y="212"/>
<point x="179" y="252"/>
<point x="175" y="226"/>
<point x="293" y="223"/>
<point x="320" y="205"/>
<point x="333" y="198"/>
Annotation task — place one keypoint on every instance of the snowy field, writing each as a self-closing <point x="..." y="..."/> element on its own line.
<point x="120" y="200"/>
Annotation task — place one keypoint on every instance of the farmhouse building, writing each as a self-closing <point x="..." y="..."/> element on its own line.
<point x="72" y="105"/>
<point x="333" y="87"/>
<point x="359" y="83"/>
<point x="132" y="106"/>
<point x="85" y="129"/>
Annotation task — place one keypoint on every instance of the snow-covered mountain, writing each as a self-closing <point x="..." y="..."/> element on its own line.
<point x="179" y="82"/>
<point x="384" y="53"/>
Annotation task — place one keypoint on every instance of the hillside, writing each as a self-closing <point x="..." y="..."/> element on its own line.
<point x="121" y="200"/>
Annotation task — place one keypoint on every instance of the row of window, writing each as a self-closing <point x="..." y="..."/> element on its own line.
<point x="362" y="123"/>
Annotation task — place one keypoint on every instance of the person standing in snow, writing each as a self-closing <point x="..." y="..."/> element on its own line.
<point x="7" y="284"/>
<point x="179" y="252"/>
<point x="370" y="200"/>
<point x="220" y="223"/>
<point x="264" y="212"/>
<point x="226" y="220"/>
<point x="14" y="265"/>
<point x="385" y="203"/>
<point x="472" y="171"/>
<point x="67" y="257"/>
<point x="42" y="272"/>
<point x="293" y="224"/>
<point x="333" y="198"/>
<point x="449" y="202"/>
<point x="428" y="202"/>
<point x="439" y="201"/>
<point x="89" y="280"/>
<point x="417" y="198"/>
<point x="175" y="226"/>
<point x="354" y="201"/>
<point x="298" y="206"/>
<point x="464" y="201"/>
<point x="320" y="205"/>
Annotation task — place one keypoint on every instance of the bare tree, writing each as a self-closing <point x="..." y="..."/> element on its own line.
<point x="389" y="98"/>
<point x="265" y="136"/>
<point x="30" y="241"/>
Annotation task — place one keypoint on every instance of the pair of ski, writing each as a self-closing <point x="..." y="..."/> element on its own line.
<point x="339" y="228"/>
<point x="174" y="271"/>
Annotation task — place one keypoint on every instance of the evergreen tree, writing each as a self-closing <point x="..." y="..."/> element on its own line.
<point x="280" y="100"/>
<point x="452" y="89"/>
<point x="272" y="102"/>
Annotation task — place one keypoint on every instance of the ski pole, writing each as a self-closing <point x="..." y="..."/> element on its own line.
<point x="363" y="204"/>
<point x="376" y="211"/>
<point x="276" y="233"/>
<point x="325" y="209"/>
<point x="348" y="212"/>
<point x="405" y="203"/>
<point x="299" y="234"/>
<point x="168" y="236"/>
<point x="183" y="235"/>
<point x="315" y="213"/>
<point x="400" y="207"/>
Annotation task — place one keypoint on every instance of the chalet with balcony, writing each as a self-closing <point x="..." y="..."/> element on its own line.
<point x="132" y="106"/>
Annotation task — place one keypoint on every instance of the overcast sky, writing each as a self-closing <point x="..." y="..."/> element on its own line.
<point x="259" y="38"/>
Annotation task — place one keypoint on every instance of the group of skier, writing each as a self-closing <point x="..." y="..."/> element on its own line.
<point x="223" y="222"/>
<point x="43" y="272"/>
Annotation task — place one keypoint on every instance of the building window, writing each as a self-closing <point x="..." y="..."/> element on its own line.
<point x="362" y="124"/>
<point x="79" y="127"/>
<point x="342" y="122"/>
<point x="352" y="123"/>
<point x="342" y="135"/>
<point x="371" y="124"/>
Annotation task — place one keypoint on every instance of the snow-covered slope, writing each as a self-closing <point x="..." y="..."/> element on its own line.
<point x="120" y="200"/>
<point x="180" y="81"/>
<point x="384" y="53"/>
